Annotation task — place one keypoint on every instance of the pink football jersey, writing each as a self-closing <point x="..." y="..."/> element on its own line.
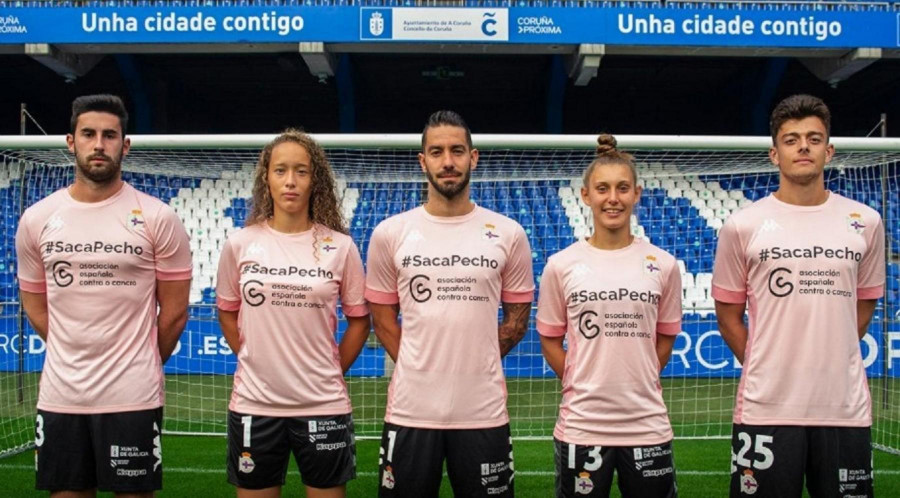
<point x="801" y="269"/>
<point x="286" y="291"/>
<point x="98" y="263"/>
<point x="610" y="305"/>
<point x="449" y="275"/>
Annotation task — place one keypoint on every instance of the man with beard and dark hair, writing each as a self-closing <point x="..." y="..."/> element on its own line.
<point x="104" y="273"/>
<point x="447" y="266"/>
<point x="803" y="406"/>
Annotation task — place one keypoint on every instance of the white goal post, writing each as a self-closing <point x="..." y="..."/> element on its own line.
<point x="691" y="184"/>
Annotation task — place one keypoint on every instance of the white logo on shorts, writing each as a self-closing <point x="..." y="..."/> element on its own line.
<point x="485" y="469"/>
<point x="583" y="484"/>
<point x="748" y="483"/>
<point x="638" y="454"/>
<point x="245" y="463"/>
<point x="157" y="448"/>
<point x="387" y="480"/>
<point x="114" y="451"/>
<point x="843" y="475"/>
<point x="312" y="426"/>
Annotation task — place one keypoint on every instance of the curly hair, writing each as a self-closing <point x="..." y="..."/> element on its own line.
<point x="324" y="207"/>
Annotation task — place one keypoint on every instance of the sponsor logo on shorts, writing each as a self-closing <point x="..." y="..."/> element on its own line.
<point x="131" y="472"/>
<point x="485" y="469"/>
<point x="583" y="484"/>
<point x="657" y="472"/>
<point x="489" y="479"/>
<point x="245" y="463"/>
<point x="748" y="483"/>
<point x="842" y="473"/>
<point x="387" y="480"/>
<point x="312" y="426"/>
<point x="638" y="454"/>
<point x="499" y="490"/>
<point x="330" y="446"/>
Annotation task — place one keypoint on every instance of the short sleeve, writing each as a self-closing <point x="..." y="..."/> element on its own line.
<point x="381" y="273"/>
<point x="31" y="273"/>
<point x="729" y="282"/>
<point x="871" y="276"/>
<point x="551" y="309"/>
<point x="668" y="320"/>
<point x="518" y="274"/>
<point x="228" y="280"/>
<point x="173" y="247"/>
<point x="353" y="284"/>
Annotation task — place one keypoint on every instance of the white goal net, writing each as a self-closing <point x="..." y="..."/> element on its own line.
<point x="691" y="184"/>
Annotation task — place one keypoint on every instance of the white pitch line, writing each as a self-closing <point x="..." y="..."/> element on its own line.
<point x="523" y="473"/>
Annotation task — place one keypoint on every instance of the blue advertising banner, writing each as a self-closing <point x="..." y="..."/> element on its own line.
<point x="699" y="351"/>
<point x="798" y="26"/>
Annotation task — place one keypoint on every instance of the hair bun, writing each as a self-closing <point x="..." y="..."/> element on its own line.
<point x="606" y="143"/>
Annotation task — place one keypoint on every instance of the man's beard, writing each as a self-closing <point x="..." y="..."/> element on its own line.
<point x="451" y="191"/>
<point x="99" y="174"/>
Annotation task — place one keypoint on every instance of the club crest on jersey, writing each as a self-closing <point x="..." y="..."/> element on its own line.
<point x="490" y="233"/>
<point x="136" y="219"/>
<point x="245" y="463"/>
<point x="748" y="483"/>
<point x="387" y="480"/>
<point x="327" y="246"/>
<point x="855" y="223"/>
<point x="651" y="265"/>
<point x="583" y="484"/>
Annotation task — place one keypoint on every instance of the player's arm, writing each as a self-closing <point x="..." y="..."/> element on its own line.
<point x="514" y="325"/>
<point x="865" y="308"/>
<point x="172" y="296"/>
<point x="354" y="339"/>
<point x="731" y="325"/>
<point x="664" y="344"/>
<point x="35" y="306"/>
<point x="387" y="326"/>
<point x="554" y="353"/>
<point x="228" y="322"/>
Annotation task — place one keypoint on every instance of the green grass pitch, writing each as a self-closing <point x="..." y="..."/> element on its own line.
<point x="699" y="408"/>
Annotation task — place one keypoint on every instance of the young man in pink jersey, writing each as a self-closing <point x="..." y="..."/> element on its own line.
<point x="279" y="283"/>
<point x="810" y="265"/>
<point x="616" y="299"/>
<point x="447" y="266"/>
<point x="104" y="273"/>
